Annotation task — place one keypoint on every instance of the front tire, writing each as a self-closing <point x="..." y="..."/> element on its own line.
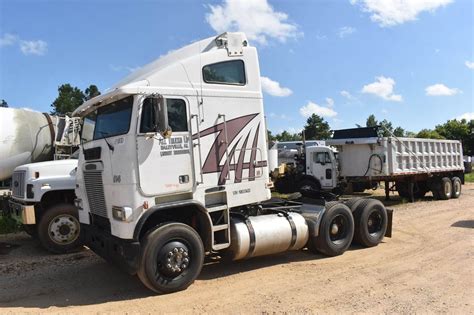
<point x="336" y="231"/>
<point x="171" y="258"/>
<point x="370" y="222"/>
<point x="59" y="229"/>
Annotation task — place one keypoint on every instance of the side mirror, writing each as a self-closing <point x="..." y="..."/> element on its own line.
<point x="161" y="116"/>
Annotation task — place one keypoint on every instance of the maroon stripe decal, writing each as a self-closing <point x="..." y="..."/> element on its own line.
<point x="240" y="163"/>
<point x="253" y="156"/>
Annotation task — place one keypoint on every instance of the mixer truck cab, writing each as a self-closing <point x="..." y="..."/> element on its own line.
<point x="43" y="202"/>
<point x="173" y="167"/>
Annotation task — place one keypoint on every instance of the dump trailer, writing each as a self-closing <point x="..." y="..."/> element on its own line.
<point x="360" y="159"/>
<point x="173" y="167"/>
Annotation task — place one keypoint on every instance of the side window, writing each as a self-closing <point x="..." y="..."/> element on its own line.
<point x="177" y="118"/>
<point x="321" y="158"/>
<point x="227" y="72"/>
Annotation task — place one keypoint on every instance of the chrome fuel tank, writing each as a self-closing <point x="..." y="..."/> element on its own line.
<point x="267" y="234"/>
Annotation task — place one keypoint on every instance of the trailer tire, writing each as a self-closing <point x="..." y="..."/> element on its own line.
<point x="456" y="183"/>
<point x="370" y="219"/>
<point x="335" y="231"/>
<point x="171" y="257"/>
<point x="353" y="203"/>
<point x="59" y="229"/>
<point x="444" y="188"/>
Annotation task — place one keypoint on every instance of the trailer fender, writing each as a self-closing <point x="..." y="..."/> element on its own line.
<point x="313" y="213"/>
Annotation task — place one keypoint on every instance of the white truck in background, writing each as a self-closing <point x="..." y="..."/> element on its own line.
<point x="42" y="200"/>
<point x="174" y="167"/>
<point x="363" y="159"/>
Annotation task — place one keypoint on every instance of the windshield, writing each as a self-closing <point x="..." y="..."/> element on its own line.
<point x="110" y="120"/>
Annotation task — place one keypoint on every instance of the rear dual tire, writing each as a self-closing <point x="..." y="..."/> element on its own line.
<point x="371" y="219"/>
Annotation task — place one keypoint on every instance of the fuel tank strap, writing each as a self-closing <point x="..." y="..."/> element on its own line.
<point x="293" y="231"/>
<point x="252" y="238"/>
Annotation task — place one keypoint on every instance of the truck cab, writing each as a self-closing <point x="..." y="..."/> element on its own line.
<point x="321" y="163"/>
<point x="43" y="202"/>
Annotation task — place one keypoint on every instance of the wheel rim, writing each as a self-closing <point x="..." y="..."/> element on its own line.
<point x="338" y="229"/>
<point x="447" y="189"/>
<point x="64" y="229"/>
<point x="457" y="187"/>
<point x="173" y="259"/>
<point x="374" y="223"/>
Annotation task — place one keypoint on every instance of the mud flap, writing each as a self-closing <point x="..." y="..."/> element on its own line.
<point x="388" y="232"/>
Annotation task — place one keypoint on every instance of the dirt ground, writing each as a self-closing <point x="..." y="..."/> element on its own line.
<point x="428" y="266"/>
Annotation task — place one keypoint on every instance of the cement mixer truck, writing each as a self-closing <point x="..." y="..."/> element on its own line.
<point x="173" y="167"/>
<point x="42" y="193"/>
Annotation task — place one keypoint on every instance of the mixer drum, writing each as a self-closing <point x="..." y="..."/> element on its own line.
<point x="267" y="234"/>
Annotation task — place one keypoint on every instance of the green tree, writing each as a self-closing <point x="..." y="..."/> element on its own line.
<point x="399" y="132"/>
<point x="371" y="121"/>
<point x="461" y="130"/>
<point x="317" y="128"/>
<point x="91" y="91"/>
<point x="4" y="103"/>
<point x="428" y="134"/>
<point x="68" y="100"/>
<point x="286" y="136"/>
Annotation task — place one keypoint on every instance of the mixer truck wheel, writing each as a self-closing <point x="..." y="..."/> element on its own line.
<point x="59" y="229"/>
<point x="370" y="219"/>
<point x="171" y="258"/>
<point x="456" y="187"/>
<point x="335" y="231"/>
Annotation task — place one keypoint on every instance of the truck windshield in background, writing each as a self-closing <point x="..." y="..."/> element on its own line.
<point x="110" y="120"/>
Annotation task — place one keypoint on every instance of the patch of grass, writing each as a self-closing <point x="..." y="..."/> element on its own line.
<point x="469" y="177"/>
<point x="8" y="225"/>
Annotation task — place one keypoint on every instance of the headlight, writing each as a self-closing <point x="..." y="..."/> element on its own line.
<point x="122" y="213"/>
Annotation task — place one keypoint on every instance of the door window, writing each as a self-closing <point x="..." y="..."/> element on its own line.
<point x="321" y="158"/>
<point x="177" y="116"/>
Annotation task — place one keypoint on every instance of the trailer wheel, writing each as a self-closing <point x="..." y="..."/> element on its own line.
<point x="353" y="203"/>
<point x="171" y="258"/>
<point x="59" y="229"/>
<point x="370" y="219"/>
<point x="456" y="187"/>
<point x="444" y="188"/>
<point x="335" y="231"/>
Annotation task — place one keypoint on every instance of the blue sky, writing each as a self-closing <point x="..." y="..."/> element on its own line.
<point x="411" y="62"/>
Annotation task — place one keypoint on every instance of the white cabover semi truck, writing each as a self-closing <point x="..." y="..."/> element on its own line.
<point x="362" y="159"/>
<point x="173" y="167"/>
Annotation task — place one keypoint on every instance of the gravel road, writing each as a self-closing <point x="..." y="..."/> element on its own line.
<point x="428" y="266"/>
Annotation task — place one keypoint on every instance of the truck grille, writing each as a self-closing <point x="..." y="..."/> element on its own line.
<point x="95" y="192"/>
<point x="18" y="184"/>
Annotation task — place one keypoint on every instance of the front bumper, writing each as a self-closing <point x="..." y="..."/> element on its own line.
<point x="123" y="253"/>
<point x="25" y="214"/>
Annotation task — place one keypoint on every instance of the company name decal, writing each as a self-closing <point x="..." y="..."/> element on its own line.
<point x="174" y="146"/>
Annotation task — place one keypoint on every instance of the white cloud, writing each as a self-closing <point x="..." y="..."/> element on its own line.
<point x="8" y="39"/>
<point x="27" y="47"/>
<point x="469" y="64"/>
<point x="123" y="68"/>
<point x="440" y="89"/>
<point x="466" y="116"/>
<point x="33" y="47"/>
<point x="329" y="102"/>
<point x="394" y="12"/>
<point x="279" y="116"/>
<point x="273" y="88"/>
<point x="312" y="108"/>
<point x="384" y="111"/>
<point x="383" y="87"/>
<point x="347" y="95"/>
<point x="345" y="31"/>
<point x="256" y="18"/>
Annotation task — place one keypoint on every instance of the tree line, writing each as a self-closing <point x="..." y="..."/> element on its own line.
<point x="316" y="128"/>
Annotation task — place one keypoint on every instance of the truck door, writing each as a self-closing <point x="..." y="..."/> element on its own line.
<point x="321" y="167"/>
<point x="165" y="163"/>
